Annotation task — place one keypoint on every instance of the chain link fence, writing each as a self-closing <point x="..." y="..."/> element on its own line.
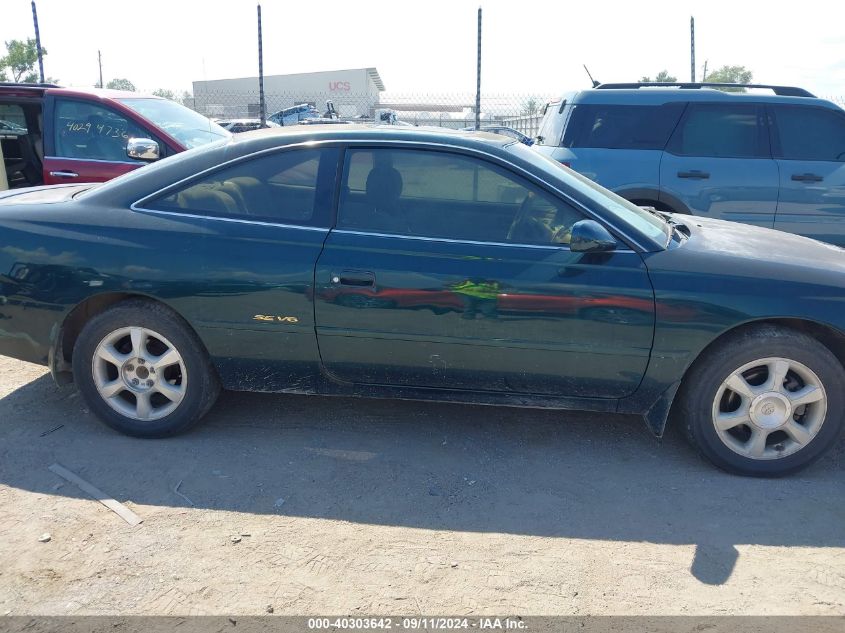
<point x="522" y="112"/>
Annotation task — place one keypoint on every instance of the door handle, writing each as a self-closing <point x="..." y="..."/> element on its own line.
<point x="355" y="278"/>
<point x="64" y="174"/>
<point x="807" y="177"/>
<point x="694" y="173"/>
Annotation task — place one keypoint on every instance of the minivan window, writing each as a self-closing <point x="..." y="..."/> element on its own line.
<point x="621" y="126"/>
<point x="89" y="131"/>
<point x="721" y="131"/>
<point x="804" y="133"/>
<point x="186" y="126"/>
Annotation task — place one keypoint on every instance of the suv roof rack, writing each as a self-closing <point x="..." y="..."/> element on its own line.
<point x="20" y="84"/>
<point x="782" y="91"/>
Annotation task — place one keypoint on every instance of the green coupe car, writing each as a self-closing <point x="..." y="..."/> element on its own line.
<point x="426" y="265"/>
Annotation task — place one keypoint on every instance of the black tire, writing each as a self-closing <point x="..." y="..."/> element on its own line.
<point x="693" y="408"/>
<point x="201" y="390"/>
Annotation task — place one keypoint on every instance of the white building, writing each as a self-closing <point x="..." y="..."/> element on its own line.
<point x="354" y="92"/>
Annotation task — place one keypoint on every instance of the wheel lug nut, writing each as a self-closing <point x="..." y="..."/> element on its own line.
<point x="140" y="361"/>
<point x="149" y="383"/>
<point x="130" y="368"/>
<point x="134" y="381"/>
<point x="152" y="370"/>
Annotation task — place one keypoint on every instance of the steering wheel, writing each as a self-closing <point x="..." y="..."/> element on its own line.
<point x="527" y="227"/>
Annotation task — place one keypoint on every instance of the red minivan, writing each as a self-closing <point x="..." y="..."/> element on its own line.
<point x="51" y="135"/>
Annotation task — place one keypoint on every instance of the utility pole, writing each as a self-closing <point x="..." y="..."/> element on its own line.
<point x="692" y="48"/>
<point x="704" y="74"/>
<point x="262" y="106"/>
<point x="478" y="78"/>
<point x="38" y="42"/>
<point x="100" y="62"/>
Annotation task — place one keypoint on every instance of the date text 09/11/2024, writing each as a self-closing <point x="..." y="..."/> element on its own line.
<point x="417" y="623"/>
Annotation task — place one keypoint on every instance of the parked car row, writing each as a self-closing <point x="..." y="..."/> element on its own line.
<point x="774" y="160"/>
<point x="394" y="261"/>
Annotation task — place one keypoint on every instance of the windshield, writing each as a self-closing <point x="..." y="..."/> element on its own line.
<point x="186" y="126"/>
<point x="649" y="224"/>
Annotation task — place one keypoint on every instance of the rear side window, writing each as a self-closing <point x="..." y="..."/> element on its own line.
<point x="622" y="126"/>
<point x="91" y="132"/>
<point x="282" y="187"/>
<point x="12" y="120"/>
<point x="721" y="131"/>
<point x="803" y="133"/>
<point x="551" y="129"/>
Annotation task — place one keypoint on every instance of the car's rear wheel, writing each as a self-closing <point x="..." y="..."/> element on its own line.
<point x="765" y="402"/>
<point x="143" y="371"/>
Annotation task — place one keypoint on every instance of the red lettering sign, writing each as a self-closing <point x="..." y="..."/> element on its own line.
<point x="339" y="86"/>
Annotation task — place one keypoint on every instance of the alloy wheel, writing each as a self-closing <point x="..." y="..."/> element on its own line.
<point x="769" y="408"/>
<point x="139" y="373"/>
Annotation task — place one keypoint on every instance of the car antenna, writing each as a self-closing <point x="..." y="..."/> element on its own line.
<point x="595" y="83"/>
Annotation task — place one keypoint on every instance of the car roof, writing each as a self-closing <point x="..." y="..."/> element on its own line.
<point x="37" y="91"/>
<point x="257" y="140"/>
<point x="657" y="96"/>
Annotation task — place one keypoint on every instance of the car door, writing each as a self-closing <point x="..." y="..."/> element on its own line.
<point x="88" y="142"/>
<point x="447" y="270"/>
<point x="719" y="165"/>
<point x="809" y="145"/>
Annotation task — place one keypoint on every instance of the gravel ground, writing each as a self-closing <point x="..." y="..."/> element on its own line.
<point x="342" y="506"/>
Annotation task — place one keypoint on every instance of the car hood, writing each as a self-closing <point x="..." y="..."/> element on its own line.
<point x="757" y="247"/>
<point x="724" y="252"/>
<point x="42" y="195"/>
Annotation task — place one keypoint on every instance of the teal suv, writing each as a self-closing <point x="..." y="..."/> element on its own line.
<point x="769" y="155"/>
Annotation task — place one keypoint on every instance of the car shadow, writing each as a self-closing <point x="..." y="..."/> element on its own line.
<point x="431" y="466"/>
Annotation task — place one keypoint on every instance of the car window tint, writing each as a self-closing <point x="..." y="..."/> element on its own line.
<point x="279" y="187"/>
<point x="721" y="131"/>
<point x="439" y="194"/>
<point x="89" y="131"/>
<point x="621" y="126"/>
<point x="809" y="133"/>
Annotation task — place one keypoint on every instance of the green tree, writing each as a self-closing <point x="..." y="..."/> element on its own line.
<point x="165" y="93"/>
<point x="20" y="60"/>
<point x="121" y="84"/>
<point x="730" y="75"/>
<point x="662" y="76"/>
<point x="530" y="106"/>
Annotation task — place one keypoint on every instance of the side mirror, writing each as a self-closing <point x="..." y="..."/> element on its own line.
<point x="142" y="149"/>
<point x="588" y="236"/>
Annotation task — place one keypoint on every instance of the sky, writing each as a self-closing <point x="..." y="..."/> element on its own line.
<point x="429" y="46"/>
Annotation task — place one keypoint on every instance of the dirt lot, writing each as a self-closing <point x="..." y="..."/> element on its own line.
<point x="354" y="506"/>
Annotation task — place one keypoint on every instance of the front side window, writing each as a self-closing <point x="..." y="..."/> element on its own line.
<point x="283" y="187"/>
<point x="721" y="131"/>
<point x="445" y="195"/>
<point x="804" y="133"/>
<point x="89" y="131"/>
<point x="621" y="126"/>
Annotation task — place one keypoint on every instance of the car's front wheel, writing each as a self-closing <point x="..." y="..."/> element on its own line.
<point x="143" y="371"/>
<point x="765" y="402"/>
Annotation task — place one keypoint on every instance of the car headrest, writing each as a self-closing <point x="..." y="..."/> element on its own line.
<point x="384" y="187"/>
<point x="207" y="199"/>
